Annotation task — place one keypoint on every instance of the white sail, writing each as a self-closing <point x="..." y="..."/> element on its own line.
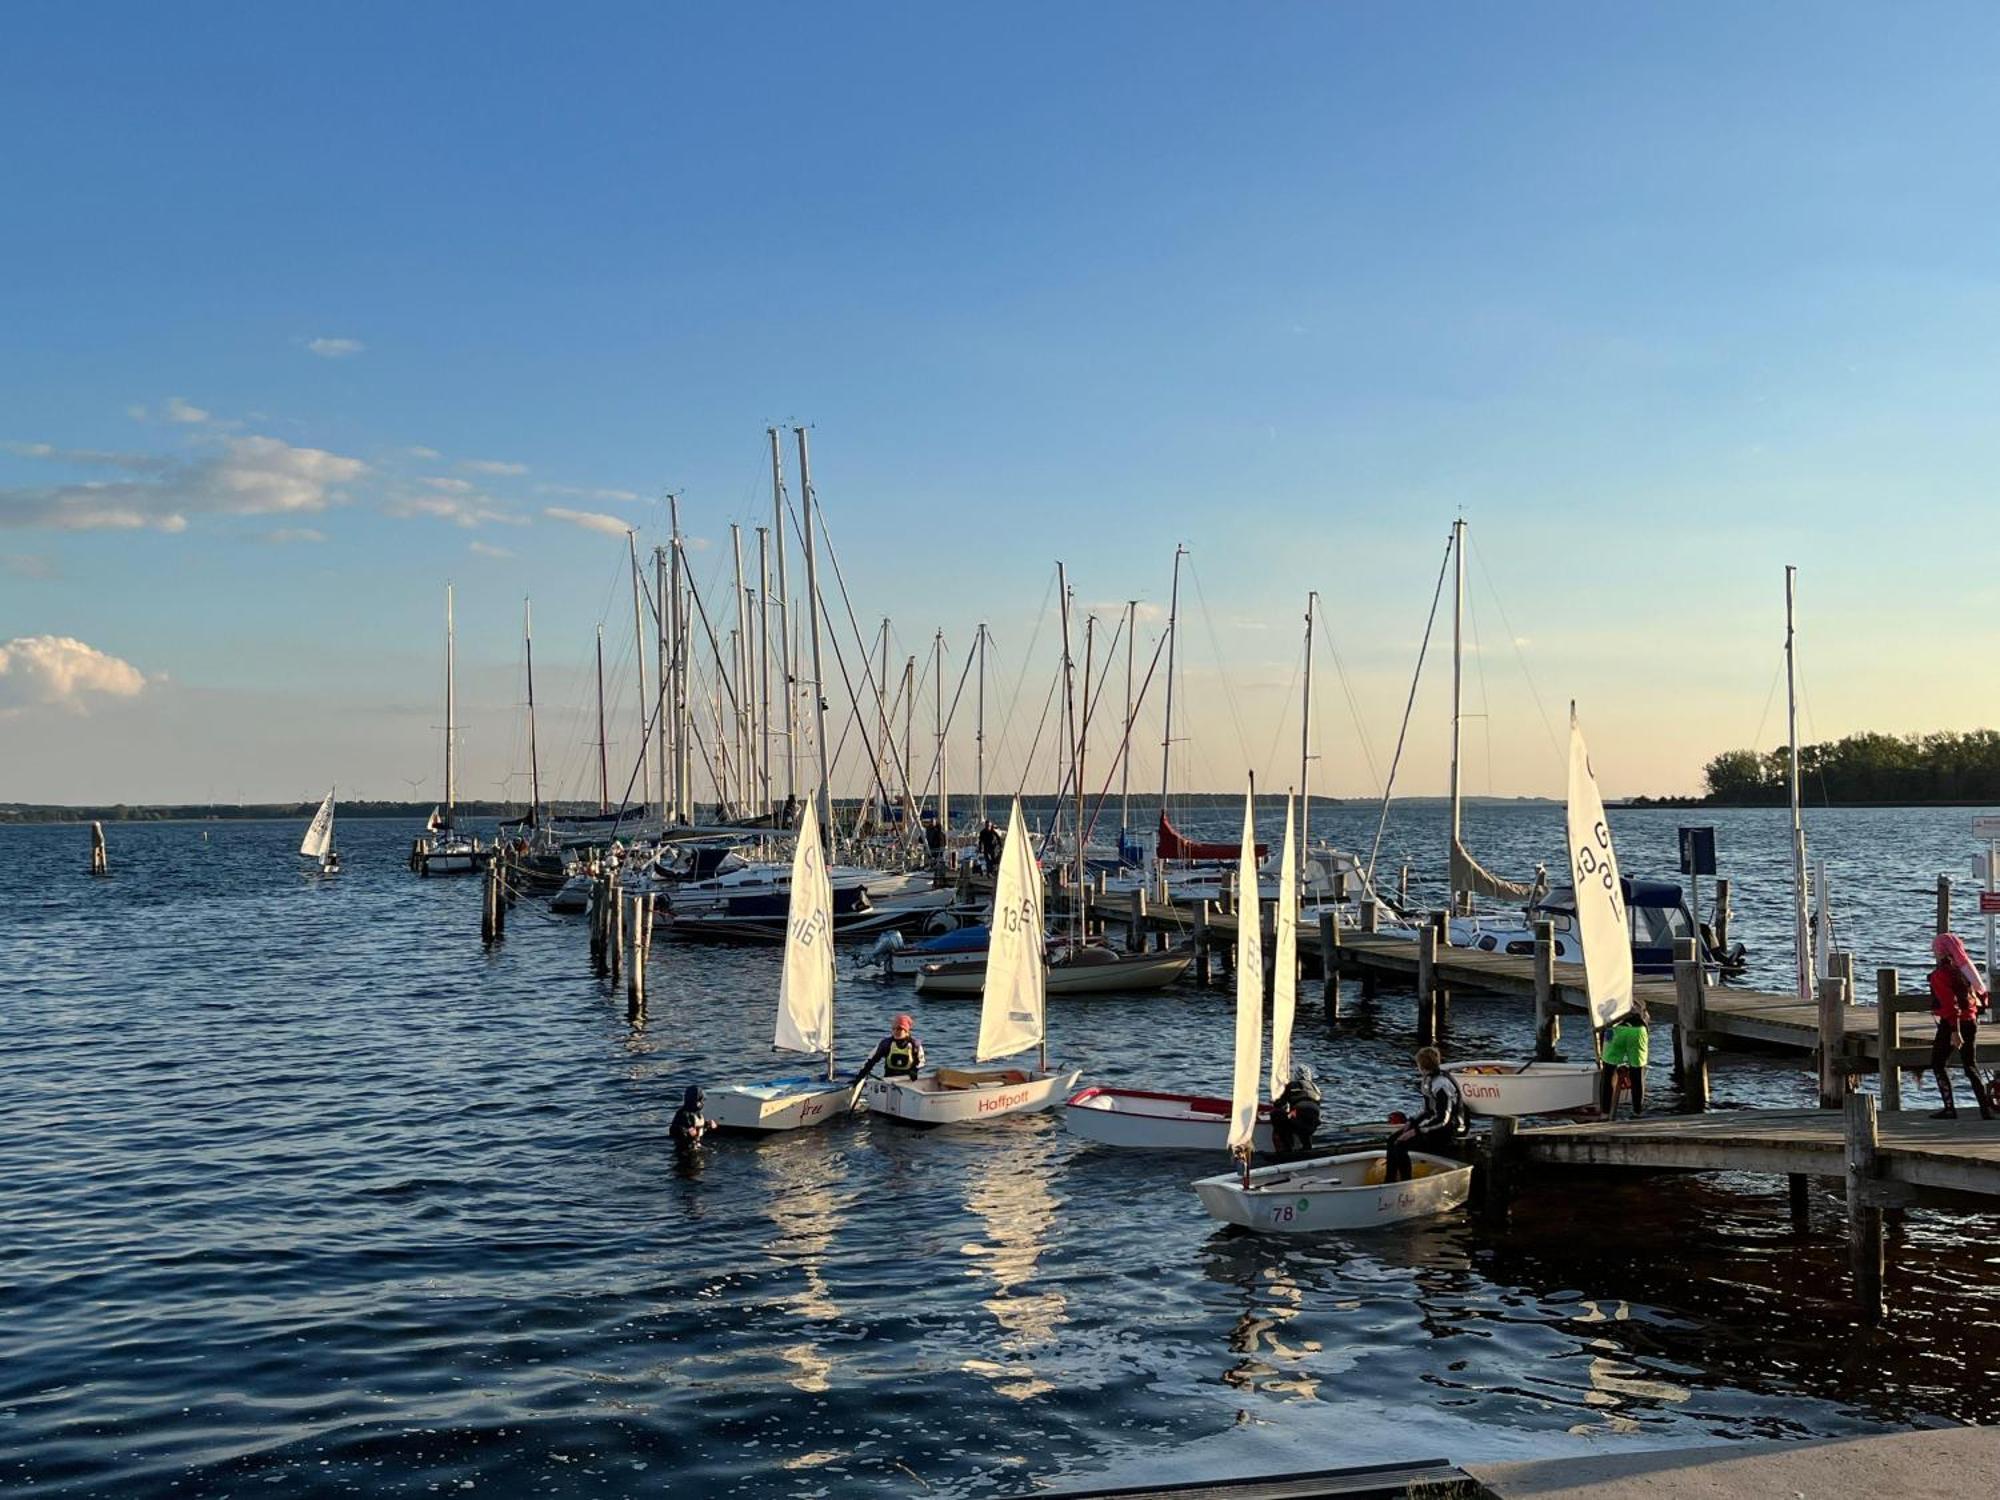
<point x="1822" y="925"/>
<point x="1249" y="988"/>
<point x="1285" y="958"/>
<point x="319" y="833"/>
<point x="805" y="989"/>
<point x="1601" y="924"/>
<point x="1011" y="1014"/>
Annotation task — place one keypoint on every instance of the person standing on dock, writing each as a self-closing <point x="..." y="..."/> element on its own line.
<point x="1438" y="1126"/>
<point x="899" y="1053"/>
<point x="1957" y="998"/>
<point x="1626" y="1048"/>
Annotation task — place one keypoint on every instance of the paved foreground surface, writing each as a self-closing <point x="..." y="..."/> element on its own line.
<point x="1942" y="1464"/>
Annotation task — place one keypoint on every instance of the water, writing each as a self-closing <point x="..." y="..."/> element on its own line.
<point x="306" y="1193"/>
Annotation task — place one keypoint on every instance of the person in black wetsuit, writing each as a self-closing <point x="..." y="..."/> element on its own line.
<point x="1295" y="1113"/>
<point x="989" y="848"/>
<point x="1440" y="1124"/>
<point x="689" y="1126"/>
<point x="899" y="1054"/>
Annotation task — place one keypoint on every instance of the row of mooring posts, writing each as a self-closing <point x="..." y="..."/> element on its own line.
<point x="621" y="938"/>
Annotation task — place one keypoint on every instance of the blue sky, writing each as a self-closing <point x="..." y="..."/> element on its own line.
<point x="1661" y="297"/>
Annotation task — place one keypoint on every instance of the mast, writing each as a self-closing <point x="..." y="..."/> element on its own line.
<point x="1457" y="675"/>
<point x="739" y="656"/>
<point x="1173" y="638"/>
<point x="677" y="606"/>
<point x="979" y="735"/>
<point x="1801" y="923"/>
<point x="450" y="712"/>
<point x="639" y="658"/>
<point x="784" y="620"/>
<point x="1125" y="745"/>
<point x="824" y="796"/>
<point x="909" y="734"/>
<point x="662" y="655"/>
<point x="1069" y="712"/>
<point x="1305" y="735"/>
<point x="937" y="718"/>
<point x="1082" y="745"/>
<point x="764" y="665"/>
<point x="534" y="760"/>
<point x="882" y="718"/>
<point x="603" y="761"/>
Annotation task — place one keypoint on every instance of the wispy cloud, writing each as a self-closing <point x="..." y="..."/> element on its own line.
<point x="1114" y="609"/>
<point x="589" y="520"/>
<point x="248" y="476"/>
<point x="449" y="486"/>
<point x="494" y="466"/>
<point x="467" y="509"/>
<point x="27" y="565"/>
<point x="58" y="671"/>
<point x="285" y="536"/>
<point x="418" y="450"/>
<point x="177" y="410"/>
<point x="584" y="492"/>
<point x="487" y="549"/>
<point x="327" y="348"/>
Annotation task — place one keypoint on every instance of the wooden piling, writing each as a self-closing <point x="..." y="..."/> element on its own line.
<point x="1403" y="887"/>
<point x="1228" y="904"/>
<point x="617" y="944"/>
<point x="1371" y="916"/>
<point x="635" y="969"/>
<point x="1888" y="1037"/>
<point x="1441" y="920"/>
<point x="1832" y="1039"/>
<point x="1427" y="936"/>
<point x="1720" y="926"/>
<point x="1864" y="1214"/>
<point x="100" y="859"/>
<point x="597" y="924"/>
<point x="1497" y="1171"/>
<point x="1329" y="962"/>
<point x="1548" y="1024"/>
<point x="486" y="932"/>
<point x="1799" y="1201"/>
<point x="1201" y="960"/>
<point x="1944" y="904"/>
<point x="1135" y="921"/>
<point x="1690" y="1024"/>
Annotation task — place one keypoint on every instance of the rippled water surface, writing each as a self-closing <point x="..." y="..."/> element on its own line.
<point x="306" y="1191"/>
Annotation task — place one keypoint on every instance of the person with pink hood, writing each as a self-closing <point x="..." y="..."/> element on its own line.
<point x="1958" y="995"/>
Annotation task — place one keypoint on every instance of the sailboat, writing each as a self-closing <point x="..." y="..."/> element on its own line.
<point x="1344" y="1191"/>
<point x="1012" y="1017"/>
<point x="446" y="851"/>
<point x="1507" y="1087"/>
<point x="805" y="1009"/>
<point x="318" y="842"/>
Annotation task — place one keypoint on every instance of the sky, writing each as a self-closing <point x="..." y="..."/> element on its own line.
<point x="306" y="313"/>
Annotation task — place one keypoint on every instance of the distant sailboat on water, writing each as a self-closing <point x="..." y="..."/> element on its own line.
<point x="318" y="842"/>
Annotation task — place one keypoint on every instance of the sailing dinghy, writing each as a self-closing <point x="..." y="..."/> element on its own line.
<point x="805" y="1009"/>
<point x="318" y="842"/>
<point x="1012" y="1015"/>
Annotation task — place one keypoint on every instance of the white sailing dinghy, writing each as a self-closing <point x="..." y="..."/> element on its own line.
<point x="318" y="842"/>
<point x="805" y="1008"/>
<point x="1013" y="1015"/>
<point x="1492" y="1086"/>
<point x="1605" y="935"/>
<point x="1142" y="1119"/>
<point x="1347" y="1191"/>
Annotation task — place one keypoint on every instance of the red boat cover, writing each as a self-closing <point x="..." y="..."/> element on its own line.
<point x="1173" y="846"/>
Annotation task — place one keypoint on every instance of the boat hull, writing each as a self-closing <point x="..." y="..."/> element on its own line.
<point x="1502" y="1087"/>
<point x="989" y="1093"/>
<point x="1151" y="971"/>
<point x="1139" y="1120"/>
<point x="782" y="1104"/>
<point x="1332" y="1193"/>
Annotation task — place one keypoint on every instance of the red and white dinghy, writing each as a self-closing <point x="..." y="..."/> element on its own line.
<point x="1142" y="1120"/>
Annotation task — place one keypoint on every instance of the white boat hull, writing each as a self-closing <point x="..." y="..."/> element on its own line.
<point x="1332" y="1192"/>
<point x="931" y="1098"/>
<point x="1151" y="971"/>
<point x="1137" y="1120"/>
<point x="782" y="1104"/>
<point x="1503" y="1087"/>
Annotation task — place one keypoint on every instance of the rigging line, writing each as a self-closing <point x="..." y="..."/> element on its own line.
<point x="1278" y="725"/>
<point x="1228" y="693"/>
<point x="867" y="670"/>
<point x="1534" y="692"/>
<point x="1021" y="677"/>
<point x="1485" y="703"/>
<point x="1027" y="765"/>
<point x="1104" y="794"/>
<point x="1770" y="695"/>
<point x="951" y="714"/>
<point x="1408" y="708"/>
<point x="1353" y="707"/>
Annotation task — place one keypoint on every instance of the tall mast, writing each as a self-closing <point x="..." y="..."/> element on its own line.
<point x="534" y="759"/>
<point x="784" y="620"/>
<point x="979" y="735"/>
<point x="1457" y="675"/>
<point x="882" y="716"/>
<point x="1069" y="733"/>
<point x="824" y="796"/>
<point x="909" y="734"/>
<point x="937" y="717"/>
<point x="1125" y="745"/>
<point x="1801" y="922"/>
<point x="663" y="622"/>
<point x="1173" y="637"/>
<point x="677" y="608"/>
<point x="450" y="711"/>
<point x="1305" y="735"/>
<point x="603" y="759"/>
<point x="639" y="658"/>
<point x="739" y="656"/>
<point x="764" y="666"/>
<point x="1082" y="723"/>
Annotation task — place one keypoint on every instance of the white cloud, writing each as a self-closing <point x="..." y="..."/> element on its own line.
<point x="449" y="486"/>
<point x="249" y="476"/>
<point x="1146" y="613"/>
<point x="589" y="520"/>
<point x="495" y="466"/>
<point x="420" y="451"/>
<point x="61" y="672"/>
<point x="584" y="492"/>
<point x="487" y="549"/>
<point x="177" y="410"/>
<point x="27" y="565"/>
<point x="460" y="509"/>
<point x="327" y="348"/>
<point x="288" y="535"/>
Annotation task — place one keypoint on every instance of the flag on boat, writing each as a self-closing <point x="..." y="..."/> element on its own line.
<point x="805" y="985"/>
<point x="1011" y="1012"/>
<point x="1601" y="924"/>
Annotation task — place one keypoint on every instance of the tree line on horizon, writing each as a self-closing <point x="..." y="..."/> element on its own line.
<point x="1946" y="766"/>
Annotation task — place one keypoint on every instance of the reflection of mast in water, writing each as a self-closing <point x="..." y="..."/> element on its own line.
<point x="1009" y="1193"/>
<point x="1258" y="1332"/>
<point x="801" y="1200"/>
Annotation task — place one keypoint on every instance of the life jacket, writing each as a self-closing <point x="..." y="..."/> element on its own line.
<point x="901" y="1056"/>
<point x="1444" y="1108"/>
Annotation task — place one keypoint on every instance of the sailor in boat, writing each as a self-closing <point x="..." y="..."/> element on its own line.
<point x="1439" y="1125"/>
<point x="1626" y="1047"/>
<point x="689" y="1125"/>
<point x="899" y="1053"/>
<point x="1957" y="997"/>
<point x="1295" y="1113"/>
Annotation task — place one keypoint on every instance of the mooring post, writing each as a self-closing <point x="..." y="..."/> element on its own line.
<point x="1201" y="962"/>
<point x="1548" y="1024"/>
<point x="1229" y="891"/>
<point x="1944" y="904"/>
<point x="1329" y="961"/>
<point x="1135" y="921"/>
<point x="595" y="921"/>
<point x="486" y="933"/>
<point x="1497" y="1184"/>
<point x="1797" y="1190"/>
<point x="635" y="970"/>
<point x="1371" y="916"/>
<point x="1441" y="920"/>
<point x="1832" y="1038"/>
<point x="1864" y="1218"/>
<point x="1721" y="924"/>
<point x="1403" y="887"/>
<point x="100" y="860"/>
<point x="1888" y="1039"/>
<point x="617" y="936"/>
<point x="1427" y="984"/>
<point x="1690" y="1024"/>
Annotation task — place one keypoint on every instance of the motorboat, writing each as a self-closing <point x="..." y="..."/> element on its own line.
<point x="1088" y="969"/>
